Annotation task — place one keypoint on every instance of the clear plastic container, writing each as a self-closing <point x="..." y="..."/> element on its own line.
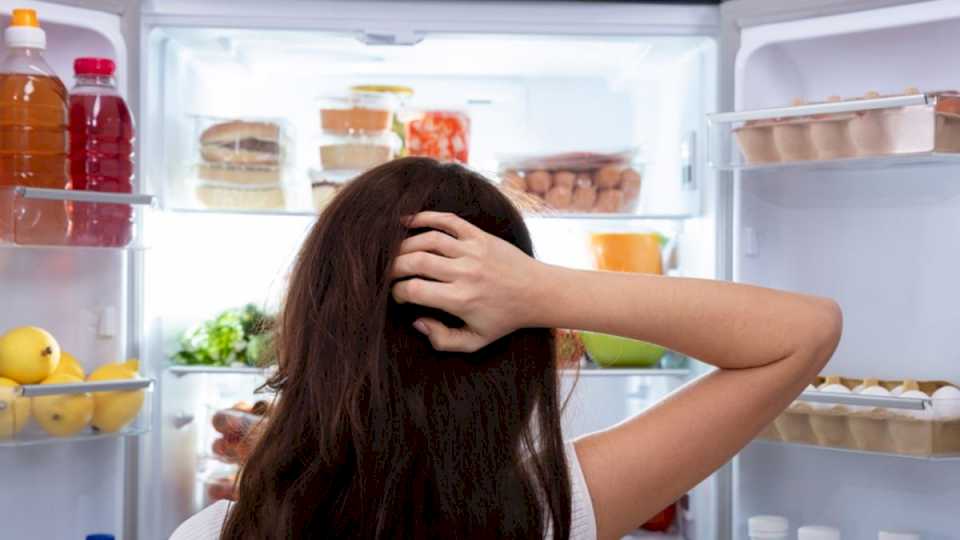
<point x="924" y="421"/>
<point x="872" y="126"/>
<point x="439" y="134"/>
<point x="356" y="152"/>
<point x="324" y="185"/>
<point x="359" y="113"/>
<point x="242" y="163"/>
<point x="574" y="182"/>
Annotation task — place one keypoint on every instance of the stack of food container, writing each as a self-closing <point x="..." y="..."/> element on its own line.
<point x="241" y="163"/>
<point x="357" y="133"/>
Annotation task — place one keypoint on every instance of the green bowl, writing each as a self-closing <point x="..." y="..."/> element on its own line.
<point x="616" y="351"/>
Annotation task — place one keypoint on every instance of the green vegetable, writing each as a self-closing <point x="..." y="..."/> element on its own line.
<point x="236" y="336"/>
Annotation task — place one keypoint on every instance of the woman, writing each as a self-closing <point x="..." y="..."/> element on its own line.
<point x="417" y="391"/>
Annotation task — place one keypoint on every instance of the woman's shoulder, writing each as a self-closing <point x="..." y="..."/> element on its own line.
<point x="204" y="525"/>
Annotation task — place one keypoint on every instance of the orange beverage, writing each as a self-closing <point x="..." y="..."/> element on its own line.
<point x="33" y="132"/>
<point x="627" y="252"/>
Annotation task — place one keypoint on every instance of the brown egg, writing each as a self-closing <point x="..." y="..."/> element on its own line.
<point x="560" y="197"/>
<point x="539" y="181"/>
<point x="609" y="201"/>
<point x="630" y="183"/>
<point x="608" y="177"/>
<point x="564" y="178"/>
<point x="513" y="180"/>
<point x="584" y="180"/>
<point x="583" y="198"/>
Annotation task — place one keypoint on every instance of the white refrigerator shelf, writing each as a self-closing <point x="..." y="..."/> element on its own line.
<point x="34" y="414"/>
<point x="585" y="371"/>
<point x="67" y="219"/>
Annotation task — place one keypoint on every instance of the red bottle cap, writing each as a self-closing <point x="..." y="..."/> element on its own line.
<point x="94" y="66"/>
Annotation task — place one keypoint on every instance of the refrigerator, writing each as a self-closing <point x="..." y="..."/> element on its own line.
<point x="678" y="88"/>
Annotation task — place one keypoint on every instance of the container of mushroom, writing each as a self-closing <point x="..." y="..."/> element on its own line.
<point x="573" y="182"/>
<point x="917" y="418"/>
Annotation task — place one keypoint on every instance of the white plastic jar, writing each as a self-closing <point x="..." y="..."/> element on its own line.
<point x="817" y="532"/>
<point x="887" y="535"/>
<point x="768" y="528"/>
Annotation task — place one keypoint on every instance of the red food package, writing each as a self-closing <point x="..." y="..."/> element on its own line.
<point x="662" y="521"/>
<point x="443" y="135"/>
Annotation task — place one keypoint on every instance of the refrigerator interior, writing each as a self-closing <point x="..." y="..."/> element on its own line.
<point x="524" y="93"/>
<point x="880" y="240"/>
<point x="63" y="488"/>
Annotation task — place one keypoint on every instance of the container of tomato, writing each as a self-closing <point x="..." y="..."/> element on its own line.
<point x="443" y="135"/>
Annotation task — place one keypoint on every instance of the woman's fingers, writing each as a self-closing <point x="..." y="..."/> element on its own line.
<point x="437" y="242"/>
<point x="427" y="293"/>
<point x="424" y="264"/>
<point x="443" y="221"/>
<point x="444" y="338"/>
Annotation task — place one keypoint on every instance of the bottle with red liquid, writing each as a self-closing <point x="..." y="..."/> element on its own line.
<point x="101" y="154"/>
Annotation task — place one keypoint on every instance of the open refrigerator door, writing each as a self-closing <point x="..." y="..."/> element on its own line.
<point x="69" y="429"/>
<point x="840" y="135"/>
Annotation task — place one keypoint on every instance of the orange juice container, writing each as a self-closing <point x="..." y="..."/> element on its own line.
<point x="33" y="129"/>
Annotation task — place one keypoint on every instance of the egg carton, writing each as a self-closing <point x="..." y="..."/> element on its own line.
<point x="911" y="425"/>
<point x="868" y="126"/>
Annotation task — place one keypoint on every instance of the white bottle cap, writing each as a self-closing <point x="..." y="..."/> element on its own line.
<point x="767" y="525"/>
<point x="816" y="532"/>
<point x="887" y="535"/>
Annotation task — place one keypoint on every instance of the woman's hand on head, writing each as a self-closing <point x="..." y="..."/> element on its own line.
<point x="456" y="267"/>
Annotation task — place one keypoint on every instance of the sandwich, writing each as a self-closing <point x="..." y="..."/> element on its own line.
<point x="242" y="143"/>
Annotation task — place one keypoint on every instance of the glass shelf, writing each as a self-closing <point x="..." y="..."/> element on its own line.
<point x="220" y="211"/>
<point x="608" y="217"/>
<point x="58" y="218"/>
<point x="33" y="414"/>
<point x="181" y="371"/>
<point x="593" y="371"/>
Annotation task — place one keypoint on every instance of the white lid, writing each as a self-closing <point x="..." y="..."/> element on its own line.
<point x="816" y="532"/>
<point x="767" y="524"/>
<point x="25" y="36"/>
<point x="887" y="535"/>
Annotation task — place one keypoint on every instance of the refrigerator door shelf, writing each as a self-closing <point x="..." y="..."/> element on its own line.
<point x="33" y="414"/>
<point x="38" y="217"/>
<point x="856" y="133"/>
<point x="918" y="427"/>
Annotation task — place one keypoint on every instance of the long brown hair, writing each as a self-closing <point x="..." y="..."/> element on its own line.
<point x="377" y="435"/>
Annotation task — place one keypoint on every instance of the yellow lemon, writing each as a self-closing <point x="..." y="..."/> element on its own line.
<point x="112" y="411"/>
<point x="28" y="354"/>
<point x="63" y="415"/>
<point x="69" y="365"/>
<point x="14" y="409"/>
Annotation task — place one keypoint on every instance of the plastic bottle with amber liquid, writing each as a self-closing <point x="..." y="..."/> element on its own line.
<point x="33" y="135"/>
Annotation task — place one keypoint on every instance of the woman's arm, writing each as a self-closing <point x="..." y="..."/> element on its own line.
<point x="768" y="344"/>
